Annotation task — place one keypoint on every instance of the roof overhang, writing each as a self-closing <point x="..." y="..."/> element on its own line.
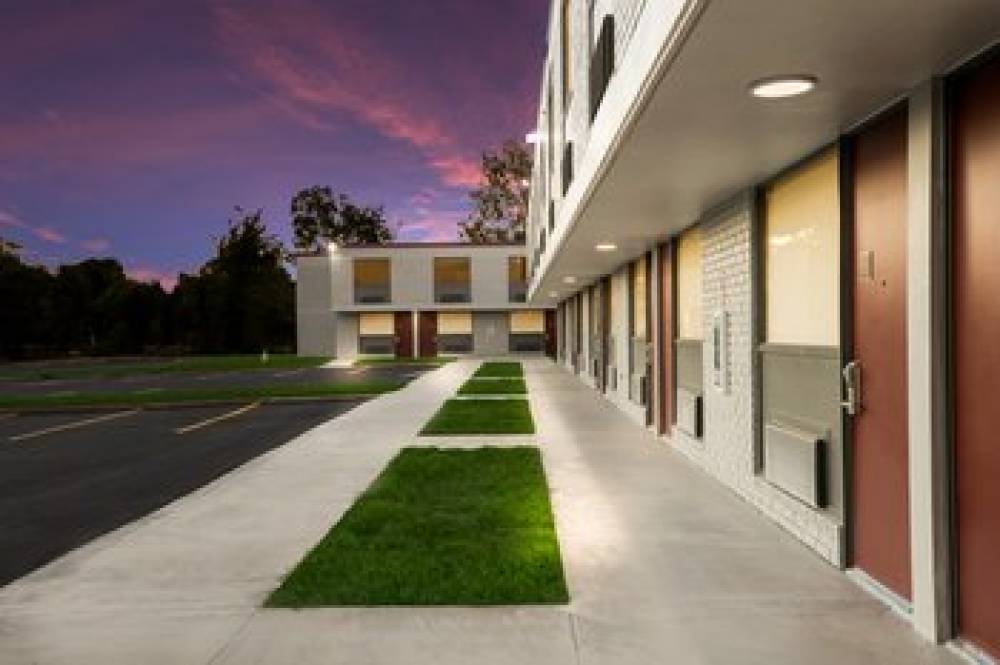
<point x="688" y="136"/>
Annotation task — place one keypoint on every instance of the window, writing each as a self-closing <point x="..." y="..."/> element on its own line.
<point x="567" y="168"/>
<point x="689" y="317"/>
<point x="802" y="255"/>
<point x="527" y="331"/>
<point x="372" y="281"/>
<point x="602" y="64"/>
<point x="567" y="53"/>
<point x="452" y="279"/>
<point x="517" y="278"/>
<point x="454" y="330"/>
<point x="376" y="333"/>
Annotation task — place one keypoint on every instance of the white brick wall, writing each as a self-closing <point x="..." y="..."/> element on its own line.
<point x="727" y="450"/>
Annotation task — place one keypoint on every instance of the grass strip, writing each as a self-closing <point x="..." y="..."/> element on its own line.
<point x="111" y="368"/>
<point x="493" y="387"/>
<point x="435" y="361"/>
<point x="502" y="369"/>
<point x="486" y="416"/>
<point x="198" y="395"/>
<point x="439" y="527"/>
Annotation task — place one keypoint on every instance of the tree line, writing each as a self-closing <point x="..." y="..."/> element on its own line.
<point x="242" y="300"/>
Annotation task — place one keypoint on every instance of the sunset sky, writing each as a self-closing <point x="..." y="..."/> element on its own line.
<point x="130" y="128"/>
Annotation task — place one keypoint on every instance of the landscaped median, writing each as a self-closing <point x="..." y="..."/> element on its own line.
<point x="111" y="368"/>
<point x="470" y="417"/>
<point x="424" y="361"/>
<point x="439" y="527"/>
<point x="499" y="386"/>
<point x="499" y="370"/>
<point x="199" y="395"/>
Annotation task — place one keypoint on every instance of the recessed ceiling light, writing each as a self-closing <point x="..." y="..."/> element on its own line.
<point x="778" y="87"/>
<point x="553" y="294"/>
<point x="569" y="279"/>
<point x="606" y="247"/>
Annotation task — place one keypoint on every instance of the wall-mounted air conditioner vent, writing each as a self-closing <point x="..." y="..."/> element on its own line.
<point x="689" y="412"/>
<point x="794" y="461"/>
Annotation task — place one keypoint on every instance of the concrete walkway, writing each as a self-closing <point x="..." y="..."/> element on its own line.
<point x="664" y="564"/>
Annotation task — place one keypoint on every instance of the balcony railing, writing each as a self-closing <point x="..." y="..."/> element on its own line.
<point x="517" y="291"/>
<point x="372" y="295"/>
<point x="452" y="293"/>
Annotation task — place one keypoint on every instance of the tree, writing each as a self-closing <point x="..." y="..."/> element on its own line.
<point x="243" y="299"/>
<point x="500" y="202"/>
<point x="320" y="217"/>
<point x="9" y="247"/>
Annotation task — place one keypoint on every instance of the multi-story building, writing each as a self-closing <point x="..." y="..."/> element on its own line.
<point x="772" y="233"/>
<point x="418" y="299"/>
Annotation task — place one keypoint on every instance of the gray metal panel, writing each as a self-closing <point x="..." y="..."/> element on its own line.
<point x="793" y="461"/>
<point x="490" y="332"/>
<point x="689" y="365"/>
<point x="801" y="390"/>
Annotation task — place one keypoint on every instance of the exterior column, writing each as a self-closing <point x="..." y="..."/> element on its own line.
<point x="927" y="311"/>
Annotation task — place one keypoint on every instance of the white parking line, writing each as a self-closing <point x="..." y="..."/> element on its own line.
<point x="216" y="419"/>
<point x="291" y="372"/>
<point x="74" y="425"/>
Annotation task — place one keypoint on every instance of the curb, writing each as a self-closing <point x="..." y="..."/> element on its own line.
<point x="170" y="406"/>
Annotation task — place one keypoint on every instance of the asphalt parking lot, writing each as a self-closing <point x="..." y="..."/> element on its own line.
<point x="248" y="378"/>
<point x="67" y="478"/>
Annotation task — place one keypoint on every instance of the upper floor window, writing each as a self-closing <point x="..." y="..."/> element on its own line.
<point x="602" y="64"/>
<point x="517" y="278"/>
<point x="452" y="279"/>
<point x="372" y="281"/>
<point x="567" y="52"/>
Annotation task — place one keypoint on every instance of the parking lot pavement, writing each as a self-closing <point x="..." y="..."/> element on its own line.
<point x="239" y="379"/>
<point x="68" y="478"/>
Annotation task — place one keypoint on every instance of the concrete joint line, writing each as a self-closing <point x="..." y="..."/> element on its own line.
<point x="216" y="419"/>
<point x="75" y="425"/>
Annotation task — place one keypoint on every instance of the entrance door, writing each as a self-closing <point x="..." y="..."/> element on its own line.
<point x="550" y="333"/>
<point x="976" y="302"/>
<point x="881" y="524"/>
<point x="403" y="325"/>
<point x="428" y="334"/>
<point x="665" y="338"/>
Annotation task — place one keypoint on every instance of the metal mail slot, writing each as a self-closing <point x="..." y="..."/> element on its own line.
<point x="794" y="461"/>
<point x="689" y="412"/>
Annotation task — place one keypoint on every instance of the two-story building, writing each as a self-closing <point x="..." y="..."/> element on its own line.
<point x="424" y="299"/>
<point x="772" y="233"/>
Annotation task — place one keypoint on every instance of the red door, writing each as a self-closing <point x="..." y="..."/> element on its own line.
<point x="550" y="333"/>
<point x="881" y="523"/>
<point x="427" y="334"/>
<point x="403" y="324"/>
<point x="976" y="302"/>
<point x="665" y="338"/>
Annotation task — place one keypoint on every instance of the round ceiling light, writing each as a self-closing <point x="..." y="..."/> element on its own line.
<point x="780" y="87"/>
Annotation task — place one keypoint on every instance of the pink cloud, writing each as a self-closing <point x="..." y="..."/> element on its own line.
<point x="96" y="245"/>
<point x="45" y="233"/>
<point x="166" y="279"/>
<point x="430" y="226"/>
<point x="339" y="70"/>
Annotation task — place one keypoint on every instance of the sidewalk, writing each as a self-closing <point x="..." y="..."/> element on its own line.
<point x="664" y="564"/>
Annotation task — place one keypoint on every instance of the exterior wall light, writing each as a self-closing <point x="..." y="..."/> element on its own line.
<point x="779" y="87"/>
<point x="533" y="138"/>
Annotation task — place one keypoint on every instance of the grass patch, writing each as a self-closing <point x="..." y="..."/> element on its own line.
<point x="109" y="368"/>
<point x="501" y="369"/>
<point x="486" y="416"/>
<point x="379" y="361"/>
<point x="198" y="395"/>
<point x="439" y="527"/>
<point x="493" y="387"/>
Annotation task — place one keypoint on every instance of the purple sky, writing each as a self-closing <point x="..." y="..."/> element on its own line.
<point x="130" y="128"/>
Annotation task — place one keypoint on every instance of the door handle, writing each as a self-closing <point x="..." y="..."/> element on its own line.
<point x="852" y="388"/>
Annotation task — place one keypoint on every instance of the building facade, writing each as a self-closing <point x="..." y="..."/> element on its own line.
<point x="771" y="231"/>
<point x="418" y="300"/>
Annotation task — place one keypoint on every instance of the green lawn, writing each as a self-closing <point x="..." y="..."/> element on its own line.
<point x="375" y="361"/>
<point x="493" y="387"/>
<point x="502" y="369"/>
<point x="496" y="416"/>
<point x="439" y="527"/>
<point x="103" y="368"/>
<point x="140" y="398"/>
